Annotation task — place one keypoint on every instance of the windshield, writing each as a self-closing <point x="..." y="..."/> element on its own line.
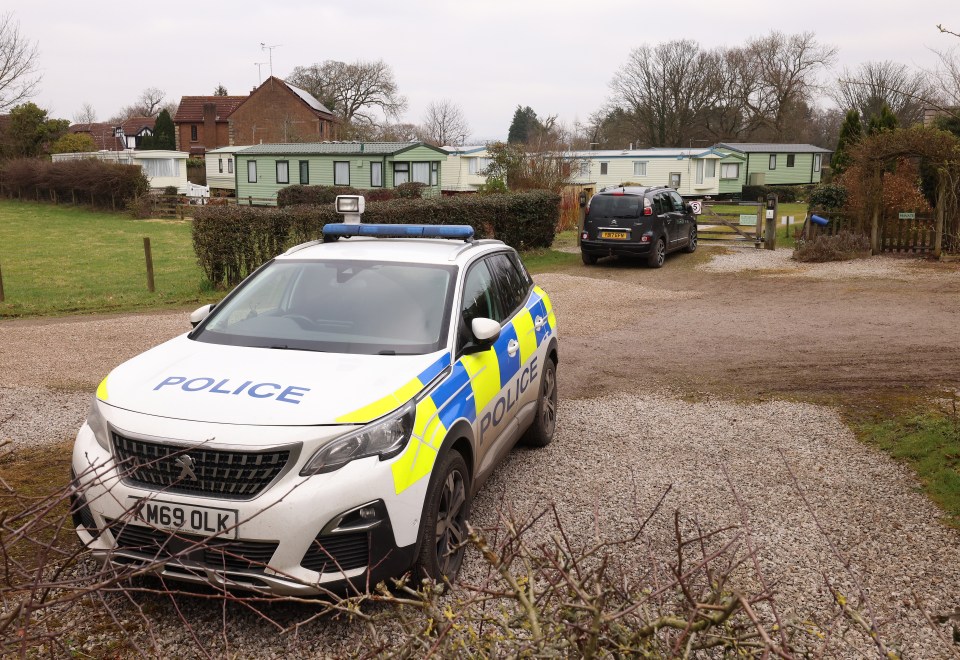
<point x="615" y="206"/>
<point x="337" y="307"/>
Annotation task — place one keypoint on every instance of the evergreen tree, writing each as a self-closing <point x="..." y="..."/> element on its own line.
<point x="851" y="132"/>
<point x="885" y="121"/>
<point x="163" y="134"/>
<point x="220" y="91"/>
<point x="524" y="126"/>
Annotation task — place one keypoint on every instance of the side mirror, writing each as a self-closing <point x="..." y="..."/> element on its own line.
<point x="688" y="207"/>
<point x="485" y="332"/>
<point x="200" y="313"/>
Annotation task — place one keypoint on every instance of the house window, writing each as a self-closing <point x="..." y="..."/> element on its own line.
<point x="283" y="171"/>
<point x="729" y="170"/>
<point x="160" y="167"/>
<point x="401" y="173"/>
<point x="639" y="168"/>
<point x="421" y="173"/>
<point x="434" y="173"/>
<point x="341" y="173"/>
<point x="773" y="161"/>
<point x="478" y="165"/>
<point x="711" y="168"/>
<point x="376" y="175"/>
<point x="603" y="168"/>
<point x="674" y="179"/>
<point x="251" y="171"/>
<point x="791" y="158"/>
<point x="699" y="170"/>
<point x="816" y="162"/>
<point x="193" y="133"/>
<point x="229" y="166"/>
<point x="220" y="164"/>
<point x="585" y="169"/>
<point x="304" y="172"/>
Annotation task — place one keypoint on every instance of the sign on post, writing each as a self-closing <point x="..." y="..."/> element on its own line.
<point x="907" y="216"/>
<point x="749" y="219"/>
<point x="697" y="207"/>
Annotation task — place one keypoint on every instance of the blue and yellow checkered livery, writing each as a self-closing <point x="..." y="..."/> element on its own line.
<point x="473" y="382"/>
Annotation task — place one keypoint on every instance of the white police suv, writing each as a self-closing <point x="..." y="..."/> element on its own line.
<point x="329" y="421"/>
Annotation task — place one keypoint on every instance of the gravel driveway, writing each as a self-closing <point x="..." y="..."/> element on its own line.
<point x="622" y="438"/>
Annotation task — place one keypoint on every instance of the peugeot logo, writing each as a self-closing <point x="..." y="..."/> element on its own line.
<point x="186" y="467"/>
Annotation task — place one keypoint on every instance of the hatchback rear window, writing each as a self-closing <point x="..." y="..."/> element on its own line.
<point x="616" y="206"/>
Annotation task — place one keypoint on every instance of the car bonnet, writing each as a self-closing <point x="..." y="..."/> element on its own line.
<point x="185" y="379"/>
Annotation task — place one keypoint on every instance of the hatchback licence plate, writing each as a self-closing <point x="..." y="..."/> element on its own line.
<point x="619" y="235"/>
<point x="202" y="520"/>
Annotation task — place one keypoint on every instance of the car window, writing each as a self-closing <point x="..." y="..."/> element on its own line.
<point x="660" y="205"/>
<point x="480" y="299"/>
<point x="339" y="307"/>
<point x="677" y="201"/>
<point x="515" y="258"/>
<point x="615" y="206"/>
<point x="513" y="287"/>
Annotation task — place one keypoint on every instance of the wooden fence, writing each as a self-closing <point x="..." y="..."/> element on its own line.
<point x="897" y="235"/>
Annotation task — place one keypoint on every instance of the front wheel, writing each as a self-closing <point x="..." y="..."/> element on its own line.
<point x="444" y="530"/>
<point x="692" y="243"/>
<point x="544" y="424"/>
<point x="658" y="255"/>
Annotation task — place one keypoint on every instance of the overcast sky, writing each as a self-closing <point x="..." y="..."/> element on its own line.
<point x="488" y="56"/>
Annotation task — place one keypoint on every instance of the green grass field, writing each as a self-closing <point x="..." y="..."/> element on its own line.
<point x="62" y="260"/>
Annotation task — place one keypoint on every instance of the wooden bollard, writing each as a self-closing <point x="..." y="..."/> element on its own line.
<point x="149" y="257"/>
<point x="1" y="286"/>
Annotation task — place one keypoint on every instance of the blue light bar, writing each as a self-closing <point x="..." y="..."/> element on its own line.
<point x="461" y="232"/>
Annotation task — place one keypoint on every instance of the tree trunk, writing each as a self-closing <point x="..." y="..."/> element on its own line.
<point x="877" y="206"/>
<point x="941" y="203"/>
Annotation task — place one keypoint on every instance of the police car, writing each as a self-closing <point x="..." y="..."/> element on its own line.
<point x="326" y="423"/>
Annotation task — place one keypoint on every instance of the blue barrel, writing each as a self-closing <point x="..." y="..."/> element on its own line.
<point x="817" y="220"/>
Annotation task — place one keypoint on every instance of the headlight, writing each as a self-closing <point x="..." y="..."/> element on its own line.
<point x="385" y="437"/>
<point x="98" y="425"/>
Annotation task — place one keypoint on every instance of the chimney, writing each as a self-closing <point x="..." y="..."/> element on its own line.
<point x="210" y="125"/>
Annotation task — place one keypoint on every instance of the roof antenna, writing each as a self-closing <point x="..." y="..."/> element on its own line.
<point x="269" y="49"/>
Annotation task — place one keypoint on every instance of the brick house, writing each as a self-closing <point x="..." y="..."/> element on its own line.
<point x="277" y="112"/>
<point x="201" y="122"/>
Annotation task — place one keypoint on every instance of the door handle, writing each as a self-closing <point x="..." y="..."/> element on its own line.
<point x="539" y="322"/>
<point x="512" y="347"/>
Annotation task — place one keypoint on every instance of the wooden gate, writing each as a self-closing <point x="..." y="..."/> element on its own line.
<point x="730" y="222"/>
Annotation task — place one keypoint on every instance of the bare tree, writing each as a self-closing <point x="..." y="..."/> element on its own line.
<point x="85" y="115"/>
<point x="148" y="104"/>
<point x="787" y="65"/>
<point x="874" y="83"/>
<point x="444" y="124"/>
<point x="356" y="92"/>
<point x="666" y="88"/>
<point x="18" y="64"/>
<point x="400" y="132"/>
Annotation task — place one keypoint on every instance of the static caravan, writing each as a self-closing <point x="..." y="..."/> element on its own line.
<point x="162" y="168"/>
<point x="463" y="171"/>
<point x="263" y="169"/>
<point x="221" y="173"/>
<point x="693" y="172"/>
<point x="768" y="164"/>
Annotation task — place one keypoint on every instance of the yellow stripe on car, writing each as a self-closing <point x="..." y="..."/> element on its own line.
<point x="102" y="390"/>
<point x="484" y="371"/>
<point x="382" y="406"/>
<point x="526" y="335"/>
<point x="418" y="458"/>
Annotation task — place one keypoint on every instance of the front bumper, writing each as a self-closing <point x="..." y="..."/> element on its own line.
<point x="601" y="248"/>
<point x="291" y="539"/>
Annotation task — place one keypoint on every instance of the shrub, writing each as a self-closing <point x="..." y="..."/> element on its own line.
<point x="231" y="241"/>
<point x="841" y="246"/>
<point x="828" y="196"/>
<point x="170" y="190"/>
<point x="89" y="180"/>
<point x="410" y="190"/>
<point x="785" y="194"/>
<point x="318" y="195"/>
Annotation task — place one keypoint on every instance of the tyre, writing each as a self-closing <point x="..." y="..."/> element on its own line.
<point x="588" y="259"/>
<point x="692" y="243"/>
<point x="658" y="254"/>
<point x="444" y="528"/>
<point x="544" y="424"/>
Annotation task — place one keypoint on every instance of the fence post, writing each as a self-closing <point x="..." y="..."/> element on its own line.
<point x="149" y="257"/>
<point x="1" y="286"/>
<point x="938" y="223"/>
<point x="770" y="231"/>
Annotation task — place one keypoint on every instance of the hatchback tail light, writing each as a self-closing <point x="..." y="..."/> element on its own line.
<point x="647" y="210"/>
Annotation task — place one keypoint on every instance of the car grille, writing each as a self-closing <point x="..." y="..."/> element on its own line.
<point x="337" y="552"/>
<point x="227" y="474"/>
<point x="217" y="554"/>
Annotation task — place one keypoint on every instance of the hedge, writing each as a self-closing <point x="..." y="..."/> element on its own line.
<point x="232" y="241"/>
<point x="88" y="181"/>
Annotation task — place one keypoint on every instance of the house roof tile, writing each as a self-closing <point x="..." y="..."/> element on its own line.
<point x="191" y="107"/>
